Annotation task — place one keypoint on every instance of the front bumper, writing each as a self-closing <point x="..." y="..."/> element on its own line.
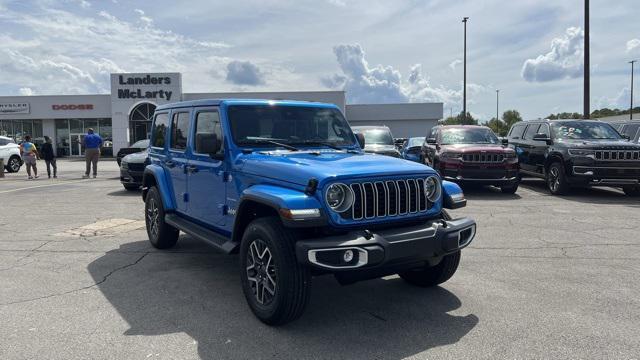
<point x="131" y="177"/>
<point x="611" y="175"/>
<point x="481" y="174"/>
<point x="387" y="249"/>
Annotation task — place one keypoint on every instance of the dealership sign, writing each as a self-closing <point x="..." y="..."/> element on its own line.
<point x="72" y="107"/>
<point x="156" y="86"/>
<point x="14" y="108"/>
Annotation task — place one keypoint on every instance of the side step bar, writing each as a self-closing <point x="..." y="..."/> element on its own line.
<point x="201" y="233"/>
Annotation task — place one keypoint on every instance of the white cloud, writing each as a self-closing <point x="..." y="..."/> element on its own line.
<point x="26" y="91"/>
<point x="455" y="64"/>
<point x="620" y="101"/>
<point x="384" y="84"/>
<point x="564" y="60"/>
<point x="244" y="73"/>
<point x="633" y="44"/>
<point x="339" y="3"/>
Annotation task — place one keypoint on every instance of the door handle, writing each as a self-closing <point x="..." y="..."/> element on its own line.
<point x="170" y="163"/>
<point x="192" y="169"/>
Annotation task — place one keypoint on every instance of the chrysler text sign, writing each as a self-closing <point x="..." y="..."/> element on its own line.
<point x="14" y="108"/>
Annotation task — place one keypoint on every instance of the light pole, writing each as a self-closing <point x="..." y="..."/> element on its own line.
<point x="464" y="82"/>
<point x="631" y="107"/>
<point x="497" y="102"/>
<point x="587" y="106"/>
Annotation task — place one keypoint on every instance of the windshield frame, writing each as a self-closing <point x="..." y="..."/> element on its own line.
<point x="347" y="142"/>
<point x="555" y="125"/>
<point x="477" y="129"/>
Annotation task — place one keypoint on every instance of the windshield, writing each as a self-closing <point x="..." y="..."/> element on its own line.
<point x="262" y="125"/>
<point x="468" y="136"/>
<point x="377" y="136"/>
<point x="583" y="130"/>
<point x="141" y="144"/>
<point x="416" y="141"/>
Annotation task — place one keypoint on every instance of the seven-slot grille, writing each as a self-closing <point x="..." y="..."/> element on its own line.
<point x="387" y="198"/>
<point x="618" y="155"/>
<point x="483" y="157"/>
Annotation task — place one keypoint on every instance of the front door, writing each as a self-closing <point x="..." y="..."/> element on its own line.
<point x="176" y="161"/>
<point x="77" y="144"/>
<point x="206" y="171"/>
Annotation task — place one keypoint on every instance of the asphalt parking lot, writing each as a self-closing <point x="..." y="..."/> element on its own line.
<point x="546" y="277"/>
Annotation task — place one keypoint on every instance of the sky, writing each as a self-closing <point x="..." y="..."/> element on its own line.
<point x="378" y="51"/>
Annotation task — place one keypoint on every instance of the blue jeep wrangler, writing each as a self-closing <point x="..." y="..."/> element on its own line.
<point x="287" y="186"/>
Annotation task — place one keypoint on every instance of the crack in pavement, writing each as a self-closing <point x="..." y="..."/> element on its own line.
<point x="79" y="289"/>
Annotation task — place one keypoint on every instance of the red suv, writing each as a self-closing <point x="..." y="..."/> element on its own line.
<point x="472" y="154"/>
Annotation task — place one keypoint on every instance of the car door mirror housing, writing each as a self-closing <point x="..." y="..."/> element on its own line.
<point x="360" y="138"/>
<point x="431" y="141"/>
<point x="207" y="143"/>
<point x="505" y="141"/>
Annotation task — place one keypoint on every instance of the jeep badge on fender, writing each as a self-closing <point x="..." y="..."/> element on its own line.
<point x="287" y="185"/>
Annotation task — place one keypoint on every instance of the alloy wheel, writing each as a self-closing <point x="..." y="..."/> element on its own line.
<point x="153" y="217"/>
<point x="14" y="165"/>
<point x="261" y="272"/>
<point x="554" y="179"/>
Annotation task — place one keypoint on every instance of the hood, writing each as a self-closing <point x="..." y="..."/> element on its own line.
<point x="138" y="157"/>
<point x="464" y="148"/>
<point x="599" y="144"/>
<point x="299" y="167"/>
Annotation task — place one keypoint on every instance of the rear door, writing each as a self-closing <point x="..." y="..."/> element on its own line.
<point x="527" y="146"/>
<point x="206" y="171"/>
<point x="539" y="149"/>
<point x="177" y="157"/>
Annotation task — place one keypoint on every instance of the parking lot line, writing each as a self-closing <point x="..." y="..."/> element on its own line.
<point x="45" y="185"/>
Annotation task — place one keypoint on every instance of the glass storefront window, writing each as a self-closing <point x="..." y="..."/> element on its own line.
<point x="62" y="137"/>
<point x="76" y="126"/>
<point x="91" y="124"/>
<point x="70" y="132"/>
<point x="106" y="132"/>
<point x="18" y="129"/>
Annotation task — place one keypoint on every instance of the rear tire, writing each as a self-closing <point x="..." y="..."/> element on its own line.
<point x="14" y="164"/>
<point x="557" y="179"/>
<point x="631" y="190"/>
<point x="161" y="235"/>
<point x="275" y="285"/>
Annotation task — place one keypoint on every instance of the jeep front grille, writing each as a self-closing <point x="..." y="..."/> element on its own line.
<point x="387" y="198"/>
<point x="618" y="155"/>
<point x="483" y="157"/>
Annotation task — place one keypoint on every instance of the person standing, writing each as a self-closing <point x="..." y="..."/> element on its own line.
<point x="49" y="157"/>
<point x="92" y="144"/>
<point x="29" y="156"/>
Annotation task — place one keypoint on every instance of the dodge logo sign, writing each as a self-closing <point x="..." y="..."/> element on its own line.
<point x="73" y="107"/>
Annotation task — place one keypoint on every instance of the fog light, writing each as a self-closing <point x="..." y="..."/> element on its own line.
<point x="347" y="256"/>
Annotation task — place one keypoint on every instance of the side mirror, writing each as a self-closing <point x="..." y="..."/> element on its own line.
<point x="209" y="144"/>
<point x="541" y="137"/>
<point x="431" y="141"/>
<point x="626" y="137"/>
<point x="360" y="138"/>
<point x="505" y="141"/>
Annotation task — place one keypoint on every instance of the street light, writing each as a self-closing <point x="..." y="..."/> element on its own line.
<point x="631" y="107"/>
<point x="587" y="106"/>
<point x="497" y="102"/>
<point x="464" y="83"/>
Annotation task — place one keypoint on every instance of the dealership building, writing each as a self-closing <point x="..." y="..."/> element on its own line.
<point x="124" y="116"/>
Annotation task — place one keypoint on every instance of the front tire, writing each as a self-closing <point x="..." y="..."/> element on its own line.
<point x="131" y="187"/>
<point x="509" y="189"/>
<point x="14" y="164"/>
<point x="161" y="235"/>
<point x="557" y="179"/>
<point x="275" y="285"/>
<point x="631" y="190"/>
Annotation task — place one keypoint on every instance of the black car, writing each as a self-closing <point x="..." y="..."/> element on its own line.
<point x="138" y="146"/>
<point x="378" y="140"/>
<point x="629" y="129"/>
<point x="132" y="169"/>
<point x="570" y="153"/>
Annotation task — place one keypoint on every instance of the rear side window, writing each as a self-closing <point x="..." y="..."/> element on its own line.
<point x="631" y="130"/>
<point x="3" y="142"/>
<point x="179" y="131"/>
<point x="531" y="131"/>
<point x="544" y="129"/>
<point x="517" y="131"/>
<point x="207" y="124"/>
<point x="161" y="124"/>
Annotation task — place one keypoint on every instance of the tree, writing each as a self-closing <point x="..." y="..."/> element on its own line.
<point x="511" y="117"/>
<point x="459" y="120"/>
<point x="498" y="126"/>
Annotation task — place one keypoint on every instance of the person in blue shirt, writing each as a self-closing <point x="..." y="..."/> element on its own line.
<point x="92" y="144"/>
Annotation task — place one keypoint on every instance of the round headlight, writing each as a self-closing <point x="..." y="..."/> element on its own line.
<point x="432" y="188"/>
<point x="339" y="197"/>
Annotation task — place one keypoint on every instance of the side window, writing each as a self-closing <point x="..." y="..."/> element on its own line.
<point x="160" y="126"/>
<point x="532" y="129"/>
<point x="179" y="131"/>
<point x="3" y="142"/>
<point x="207" y="124"/>
<point x="544" y="129"/>
<point x="517" y="131"/>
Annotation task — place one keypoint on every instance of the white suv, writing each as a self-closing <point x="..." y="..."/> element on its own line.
<point x="10" y="153"/>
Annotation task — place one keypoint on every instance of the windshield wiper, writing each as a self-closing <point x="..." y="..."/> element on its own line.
<point x="272" y="141"/>
<point x="321" y="143"/>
